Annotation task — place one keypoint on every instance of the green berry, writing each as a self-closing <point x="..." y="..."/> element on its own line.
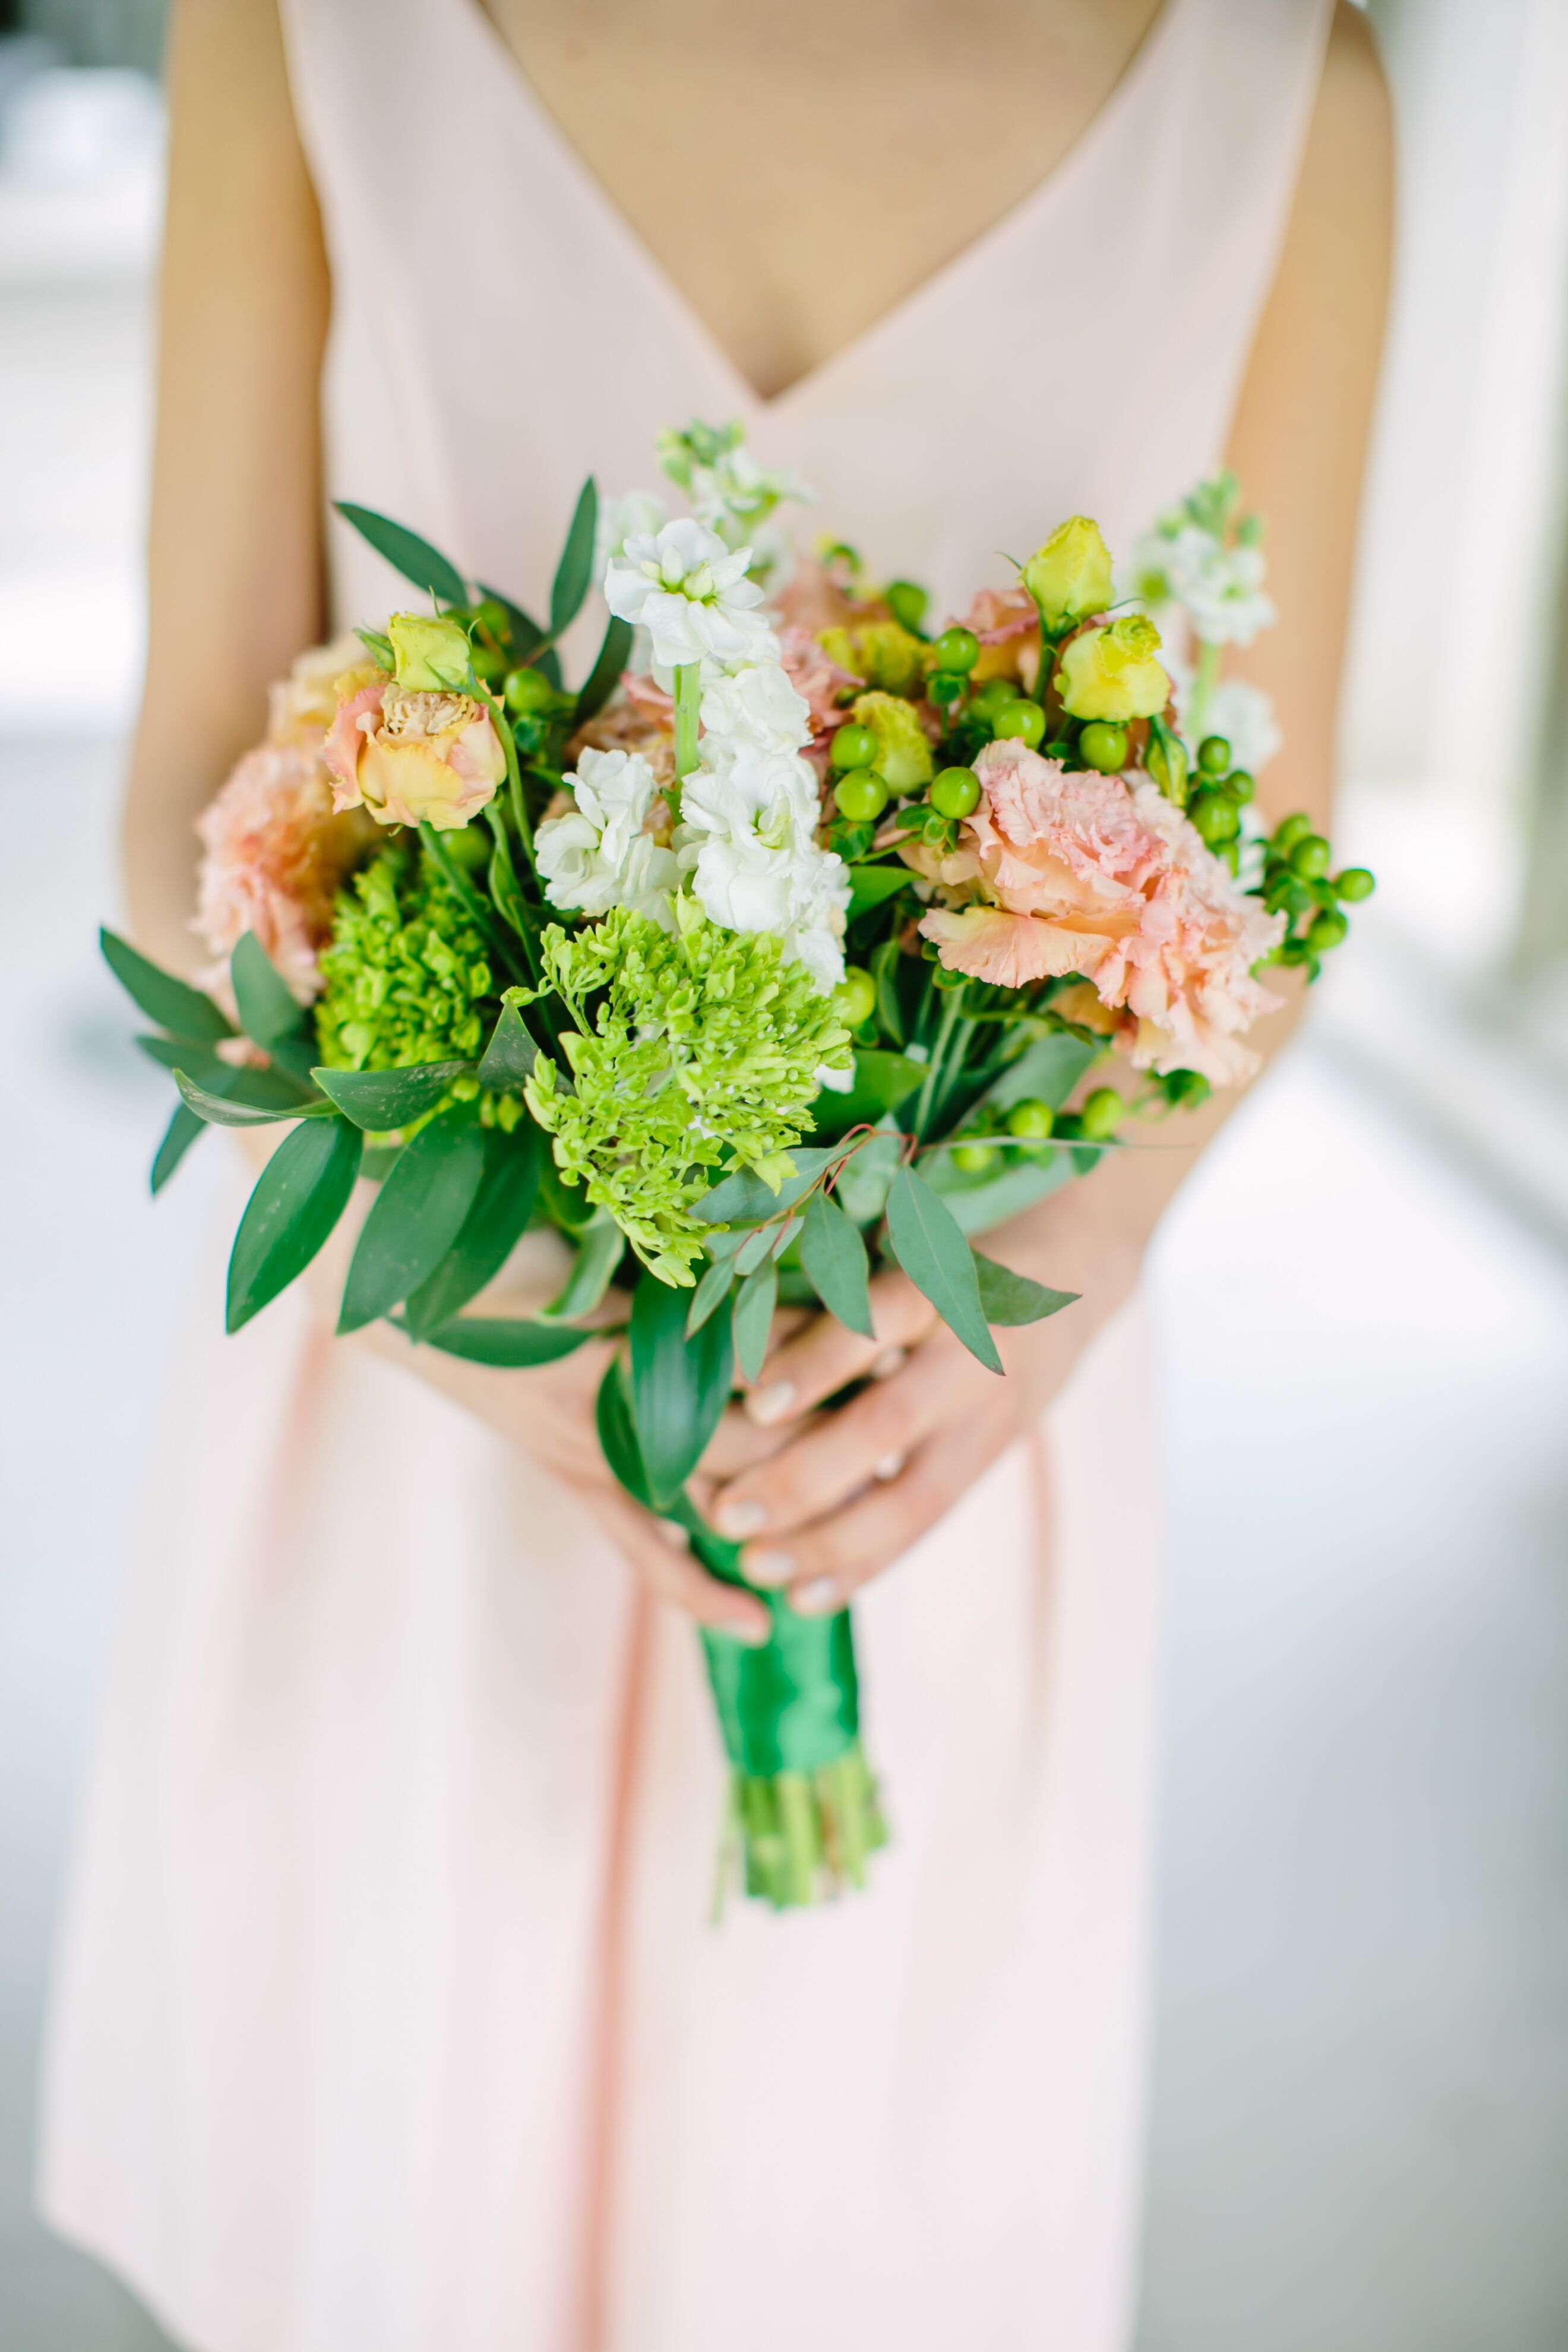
<point x="1287" y="834"/>
<point x="1215" y="816"/>
<point x="1019" y="720"/>
<point x="1239" y="785"/>
<point x="854" y="998"/>
<point x="957" y="651"/>
<point x="853" y="746"/>
<point x="1031" y="1119"/>
<point x="527" y="692"/>
<point x="491" y="616"/>
<point x="1101" y="1114"/>
<point x="1103" y="745"/>
<point x="1213" y="755"/>
<point x="906" y="601"/>
<point x="489" y="663"/>
<point x="1354" y="884"/>
<point x="956" y="792"/>
<point x="987" y="699"/>
<point x="1326" y="931"/>
<point x="860" y="796"/>
<point x="1310" y="857"/>
<point x="975" y="1159"/>
<point x="470" y="847"/>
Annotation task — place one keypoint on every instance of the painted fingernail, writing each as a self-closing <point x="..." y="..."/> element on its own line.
<point x="674" y="1535"/>
<point x="770" y="1566"/>
<point x="740" y="1519"/>
<point x="891" y="1360"/>
<point x="888" y="1467"/>
<point x="771" y="1403"/>
<point x="816" y="1597"/>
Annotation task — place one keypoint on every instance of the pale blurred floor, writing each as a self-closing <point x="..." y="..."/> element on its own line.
<point x="1360" y="2133"/>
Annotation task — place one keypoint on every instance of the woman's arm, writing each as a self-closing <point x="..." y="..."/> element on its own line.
<point x="833" y="1507"/>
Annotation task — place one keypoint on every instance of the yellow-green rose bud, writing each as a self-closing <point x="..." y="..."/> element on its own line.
<point x="1112" y="673"/>
<point x="429" y="655"/>
<point x="1069" y="576"/>
<point x="903" y="757"/>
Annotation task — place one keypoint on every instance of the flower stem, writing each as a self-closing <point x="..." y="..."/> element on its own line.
<point x="513" y="773"/>
<point x="688" y="698"/>
<point x="951" y="1012"/>
<point x="1204" y="684"/>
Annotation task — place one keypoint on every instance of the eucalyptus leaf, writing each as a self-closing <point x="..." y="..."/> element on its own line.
<point x="711" y="1293"/>
<point x="755" y="1248"/>
<point x="882" y="1081"/>
<point x="754" y="1318"/>
<point x="498" y="1215"/>
<point x="1006" y="1297"/>
<point x="615" y="652"/>
<point x="871" y="884"/>
<point x="510" y="1053"/>
<point x="861" y="1184"/>
<point x="600" y="1251"/>
<point x="178" y="1137"/>
<point x="744" y="1200"/>
<point x="574" y="572"/>
<point x="408" y="552"/>
<point x="380" y="1100"/>
<point x="170" y="1002"/>
<point x="933" y="1253"/>
<point x="415" y="1219"/>
<point x="833" y="1257"/>
<point x="220" y="1110"/>
<point x="679" y="1386"/>
<point x="299" y="1197"/>
<point x="510" y="1343"/>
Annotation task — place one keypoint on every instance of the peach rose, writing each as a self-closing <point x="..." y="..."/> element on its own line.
<point x="411" y="756"/>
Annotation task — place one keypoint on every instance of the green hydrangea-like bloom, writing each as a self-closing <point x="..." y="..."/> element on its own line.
<point x="704" y="1053"/>
<point x="406" y="976"/>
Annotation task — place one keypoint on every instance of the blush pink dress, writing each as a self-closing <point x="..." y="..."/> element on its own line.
<point x="390" y="2017"/>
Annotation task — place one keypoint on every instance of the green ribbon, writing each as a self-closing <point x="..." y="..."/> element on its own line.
<point x="790" y="1704"/>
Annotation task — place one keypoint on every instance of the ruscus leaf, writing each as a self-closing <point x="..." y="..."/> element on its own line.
<point x="617" y="1433"/>
<point x="502" y="1206"/>
<point x="380" y="1100"/>
<point x="869" y="886"/>
<point x="679" y="1386"/>
<point x="615" y="652"/>
<point x="170" y="1002"/>
<point x="510" y="1053"/>
<point x="509" y="1344"/>
<point x="299" y="1195"/>
<point x="178" y="1137"/>
<point x="930" y="1246"/>
<point x="416" y="1216"/>
<point x="575" y="570"/>
<point x="233" y="1110"/>
<point x="408" y="552"/>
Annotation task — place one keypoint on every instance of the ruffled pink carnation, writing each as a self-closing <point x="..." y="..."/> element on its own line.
<point x="821" y="683"/>
<point x="1060" y="872"/>
<point x="274" y="856"/>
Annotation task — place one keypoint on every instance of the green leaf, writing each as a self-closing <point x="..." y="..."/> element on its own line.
<point x="299" y="1195"/>
<point x="837" y="1267"/>
<point x="599" y="1252"/>
<point x="380" y="1100"/>
<point x="415" y="1219"/>
<point x="882" y="1081"/>
<point x="711" y="1293"/>
<point x="1045" y="1072"/>
<point x="618" y="1433"/>
<point x="220" y="1110"/>
<point x="615" y="652"/>
<point x="526" y="633"/>
<point x="262" y="1089"/>
<point x="680" y="1386"/>
<point x="978" y="1202"/>
<point x="178" y="1137"/>
<point x="744" y="1200"/>
<point x="870" y="884"/>
<point x="162" y="998"/>
<point x="408" y="554"/>
<point x="268" y="1009"/>
<point x="501" y="1209"/>
<point x="885" y="962"/>
<point x="754" y="1318"/>
<point x="574" y="572"/>
<point x="510" y="1053"/>
<point x="509" y="1343"/>
<point x="931" y="1248"/>
<point x="503" y="882"/>
<point x="1007" y="1297"/>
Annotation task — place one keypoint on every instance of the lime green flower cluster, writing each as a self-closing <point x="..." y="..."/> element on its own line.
<point x="406" y="977"/>
<point x="705" y="1045"/>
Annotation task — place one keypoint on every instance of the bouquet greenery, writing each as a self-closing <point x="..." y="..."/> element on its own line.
<point x="784" y="867"/>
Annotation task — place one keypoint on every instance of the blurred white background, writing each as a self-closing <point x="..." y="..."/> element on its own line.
<point x="1360" y="2137"/>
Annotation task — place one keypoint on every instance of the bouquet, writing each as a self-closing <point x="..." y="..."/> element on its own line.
<point x="794" y="940"/>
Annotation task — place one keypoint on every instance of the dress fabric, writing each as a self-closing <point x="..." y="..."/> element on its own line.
<point x="389" y="2016"/>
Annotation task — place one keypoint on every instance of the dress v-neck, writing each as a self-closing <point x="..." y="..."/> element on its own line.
<point x="906" y="308"/>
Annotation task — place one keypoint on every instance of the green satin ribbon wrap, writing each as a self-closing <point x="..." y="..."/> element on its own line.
<point x="791" y="1704"/>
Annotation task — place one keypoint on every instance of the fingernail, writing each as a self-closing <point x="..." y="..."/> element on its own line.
<point x="740" y="1519"/>
<point x="748" y="1629"/>
<point x="891" y="1360"/>
<point x="674" y="1535"/>
<point x="771" y="1403"/>
<point x="768" y="1567"/>
<point x="816" y="1598"/>
<point x="888" y="1467"/>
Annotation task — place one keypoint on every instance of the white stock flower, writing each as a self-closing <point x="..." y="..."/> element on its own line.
<point x="692" y="595"/>
<point x="1243" y="714"/>
<point x="640" y="514"/>
<point x="756" y="706"/>
<point x="1219" y="587"/>
<point x="597" y="855"/>
<point x="748" y="839"/>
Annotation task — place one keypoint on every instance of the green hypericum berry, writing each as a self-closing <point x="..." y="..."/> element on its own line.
<point x="489" y="663"/>
<point x="1215" y="816"/>
<point x="956" y="792"/>
<point x="956" y="652"/>
<point x="1287" y="834"/>
<point x="1354" y="884"/>
<point x="527" y="692"/>
<point x="1239" y="785"/>
<point x="860" y="796"/>
<point x="1326" y="931"/>
<point x="1019" y="720"/>
<point x="1101" y="1114"/>
<point x="853" y="746"/>
<point x="988" y="700"/>
<point x="1213" y="755"/>
<point x="906" y="601"/>
<point x="1103" y="745"/>
<point x="1031" y="1119"/>
<point x="854" y="998"/>
<point x="975" y="1159"/>
<point x="1310" y="857"/>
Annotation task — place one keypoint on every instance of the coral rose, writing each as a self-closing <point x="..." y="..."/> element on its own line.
<point x="413" y="757"/>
